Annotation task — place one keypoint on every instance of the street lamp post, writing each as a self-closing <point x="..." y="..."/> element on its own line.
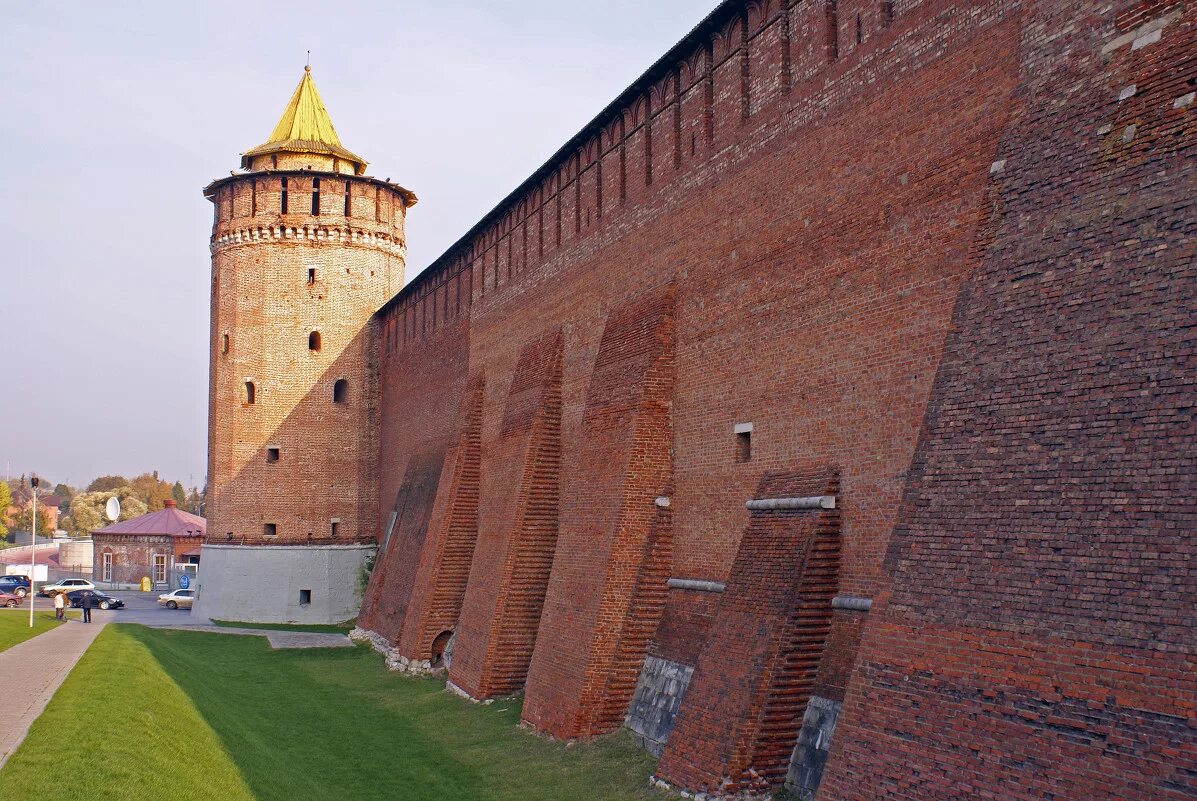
<point x="33" y="482"/>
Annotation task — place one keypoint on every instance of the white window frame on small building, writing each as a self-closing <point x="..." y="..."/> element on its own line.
<point x="160" y="574"/>
<point x="106" y="566"/>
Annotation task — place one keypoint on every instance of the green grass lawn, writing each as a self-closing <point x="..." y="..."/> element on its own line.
<point x="210" y="716"/>
<point x="14" y="625"/>
<point x="316" y="627"/>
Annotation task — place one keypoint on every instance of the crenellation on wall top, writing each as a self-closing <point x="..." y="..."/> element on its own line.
<point x="409" y="197"/>
<point x="626" y="164"/>
<point x="659" y="106"/>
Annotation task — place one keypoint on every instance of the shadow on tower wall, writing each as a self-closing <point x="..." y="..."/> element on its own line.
<point x="325" y="469"/>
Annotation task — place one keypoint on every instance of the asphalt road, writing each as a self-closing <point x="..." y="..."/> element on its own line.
<point x="140" y="607"/>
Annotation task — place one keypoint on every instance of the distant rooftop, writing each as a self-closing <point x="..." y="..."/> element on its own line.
<point x="169" y="520"/>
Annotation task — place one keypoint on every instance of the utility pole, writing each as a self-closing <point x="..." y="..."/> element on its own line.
<point x="33" y="482"/>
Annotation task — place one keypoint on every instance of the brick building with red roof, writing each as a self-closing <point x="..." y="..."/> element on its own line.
<point x="163" y="545"/>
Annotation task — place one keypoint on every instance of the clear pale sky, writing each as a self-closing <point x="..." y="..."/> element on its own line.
<point x="115" y="115"/>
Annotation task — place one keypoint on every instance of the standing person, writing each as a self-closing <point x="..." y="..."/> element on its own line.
<point x="59" y="605"/>
<point x="88" y="602"/>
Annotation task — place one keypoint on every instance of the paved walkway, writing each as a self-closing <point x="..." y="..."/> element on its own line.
<point x="276" y="638"/>
<point x="31" y="671"/>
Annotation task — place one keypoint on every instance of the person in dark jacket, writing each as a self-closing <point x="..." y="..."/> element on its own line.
<point x="88" y="602"/>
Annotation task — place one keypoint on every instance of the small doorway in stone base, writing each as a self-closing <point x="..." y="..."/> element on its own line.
<point x="442" y="650"/>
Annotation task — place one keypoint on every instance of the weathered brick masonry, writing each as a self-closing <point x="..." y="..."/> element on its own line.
<point x="756" y="671"/>
<point x="517" y="531"/>
<point x="1037" y="634"/>
<point x="268" y="307"/>
<point x="132" y="555"/>
<point x="305" y="248"/>
<point x="933" y="257"/>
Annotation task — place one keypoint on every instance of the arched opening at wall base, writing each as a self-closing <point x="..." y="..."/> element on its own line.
<point x="442" y="651"/>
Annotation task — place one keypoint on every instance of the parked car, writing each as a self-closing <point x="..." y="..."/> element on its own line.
<point x="15" y="585"/>
<point x="67" y="585"/>
<point x="179" y="599"/>
<point x="10" y="600"/>
<point x="103" y="600"/>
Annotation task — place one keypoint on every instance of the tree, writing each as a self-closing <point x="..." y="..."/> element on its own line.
<point x="23" y="521"/>
<point x="87" y="509"/>
<point x="195" y="502"/>
<point x="107" y="484"/>
<point x="151" y="490"/>
<point x="20" y="491"/>
<point x="179" y="494"/>
<point x="85" y="516"/>
<point x="19" y="495"/>
<point x="5" y="502"/>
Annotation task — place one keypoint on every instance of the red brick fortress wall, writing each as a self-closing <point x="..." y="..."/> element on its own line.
<point x="1037" y="636"/>
<point x="518" y="529"/>
<point x="610" y="522"/>
<point x="420" y="464"/>
<point x="764" y="239"/>
<point x="743" y="709"/>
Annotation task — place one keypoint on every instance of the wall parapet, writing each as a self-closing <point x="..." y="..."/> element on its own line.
<point x="683" y="112"/>
<point x="308" y="205"/>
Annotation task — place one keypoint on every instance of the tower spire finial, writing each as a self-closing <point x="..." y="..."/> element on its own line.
<point x="307" y="65"/>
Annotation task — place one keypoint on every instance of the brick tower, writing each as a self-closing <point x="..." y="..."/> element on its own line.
<point x="305" y="248"/>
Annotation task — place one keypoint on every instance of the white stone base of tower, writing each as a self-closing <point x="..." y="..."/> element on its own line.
<point x="308" y="584"/>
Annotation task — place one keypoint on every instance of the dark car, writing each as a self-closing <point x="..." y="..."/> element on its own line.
<point x="15" y="585"/>
<point x="102" y="600"/>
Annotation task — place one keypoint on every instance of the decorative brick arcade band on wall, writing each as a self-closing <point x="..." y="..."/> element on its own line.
<point x="821" y="412"/>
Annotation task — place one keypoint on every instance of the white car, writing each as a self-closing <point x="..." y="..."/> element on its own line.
<point x="67" y="585"/>
<point x="177" y="599"/>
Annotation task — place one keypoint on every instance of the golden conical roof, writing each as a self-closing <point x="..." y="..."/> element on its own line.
<point x="305" y="127"/>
